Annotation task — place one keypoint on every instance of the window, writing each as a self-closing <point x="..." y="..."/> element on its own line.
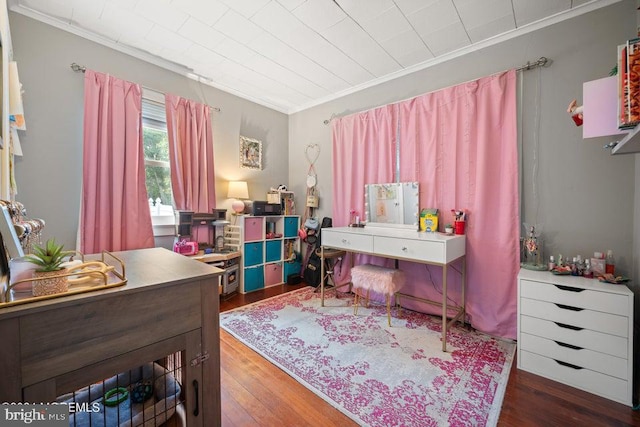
<point x="157" y="168"/>
<point x="156" y="154"/>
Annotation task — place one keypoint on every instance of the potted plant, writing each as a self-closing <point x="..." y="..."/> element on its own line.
<point x="48" y="259"/>
<point x="448" y="229"/>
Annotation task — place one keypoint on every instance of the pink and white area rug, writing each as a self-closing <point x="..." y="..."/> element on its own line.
<point x="376" y="374"/>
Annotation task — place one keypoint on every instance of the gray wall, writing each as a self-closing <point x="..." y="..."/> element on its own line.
<point x="585" y="196"/>
<point x="50" y="173"/>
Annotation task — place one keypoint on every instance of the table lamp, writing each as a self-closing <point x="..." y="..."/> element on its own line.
<point x="238" y="190"/>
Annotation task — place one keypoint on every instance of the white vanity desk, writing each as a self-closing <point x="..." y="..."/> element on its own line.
<point x="407" y="245"/>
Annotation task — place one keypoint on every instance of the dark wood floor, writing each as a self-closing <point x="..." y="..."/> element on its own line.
<point x="257" y="393"/>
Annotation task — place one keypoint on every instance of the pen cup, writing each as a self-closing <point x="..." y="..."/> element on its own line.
<point x="459" y="227"/>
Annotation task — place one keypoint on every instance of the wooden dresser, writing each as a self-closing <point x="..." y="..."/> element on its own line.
<point x="169" y="304"/>
<point x="577" y="331"/>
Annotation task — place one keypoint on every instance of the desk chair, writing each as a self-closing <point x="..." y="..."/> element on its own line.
<point x="332" y="259"/>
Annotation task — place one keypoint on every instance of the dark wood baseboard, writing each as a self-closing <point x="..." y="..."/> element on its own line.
<point x="256" y="392"/>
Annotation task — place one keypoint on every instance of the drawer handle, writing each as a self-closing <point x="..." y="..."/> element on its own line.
<point x="564" y="325"/>
<point x="564" y="344"/>
<point x="568" y="307"/>
<point x="404" y="248"/>
<point x="345" y="241"/>
<point x="568" y="288"/>
<point x="568" y="365"/>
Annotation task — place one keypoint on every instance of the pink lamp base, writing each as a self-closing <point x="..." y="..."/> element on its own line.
<point x="238" y="206"/>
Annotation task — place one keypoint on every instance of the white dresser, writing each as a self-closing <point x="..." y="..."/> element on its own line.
<point x="409" y="245"/>
<point x="577" y="331"/>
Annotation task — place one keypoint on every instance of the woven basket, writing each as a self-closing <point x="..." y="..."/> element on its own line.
<point x="47" y="285"/>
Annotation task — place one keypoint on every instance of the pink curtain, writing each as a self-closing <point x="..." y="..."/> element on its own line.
<point x="460" y="144"/>
<point x="191" y="158"/>
<point x="363" y="153"/>
<point x="114" y="210"/>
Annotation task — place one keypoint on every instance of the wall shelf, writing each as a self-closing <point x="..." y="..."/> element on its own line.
<point x="629" y="144"/>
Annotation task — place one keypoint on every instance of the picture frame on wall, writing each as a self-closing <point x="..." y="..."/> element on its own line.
<point x="250" y="153"/>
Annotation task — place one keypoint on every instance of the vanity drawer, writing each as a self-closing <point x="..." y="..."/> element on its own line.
<point x="575" y="316"/>
<point x="585" y="379"/>
<point x="575" y="297"/>
<point x="347" y="241"/>
<point x="585" y="338"/>
<point x="421" y="250"/>
<point x="596" y="361"/>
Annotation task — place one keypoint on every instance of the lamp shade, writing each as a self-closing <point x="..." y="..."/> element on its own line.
<point x="238" y="190"/>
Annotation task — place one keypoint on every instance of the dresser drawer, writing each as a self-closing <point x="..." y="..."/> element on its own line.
<point x="575" y="316"/>
<point x="395" y="247"/>
<point x="585" y="379"/>
<point x="596" y="361"/>
<point x="576" y="297"/>
<point x="347" y="241"/>
<point x="585" y="338"/>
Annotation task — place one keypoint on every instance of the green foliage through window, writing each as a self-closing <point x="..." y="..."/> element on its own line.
<point x="158" y="173"/>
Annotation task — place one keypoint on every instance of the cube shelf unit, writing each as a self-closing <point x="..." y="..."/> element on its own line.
<point x="266" y="260"/>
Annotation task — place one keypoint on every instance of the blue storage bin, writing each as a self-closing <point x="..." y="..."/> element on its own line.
<point x="253" y="254"/>
<point x="291" y="226"/>
<point x="274" y="250"/>
<point x="291" y="268"/>
<point x="253" y="278"/>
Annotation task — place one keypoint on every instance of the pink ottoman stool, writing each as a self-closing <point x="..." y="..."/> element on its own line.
<point x="386" y="281"/>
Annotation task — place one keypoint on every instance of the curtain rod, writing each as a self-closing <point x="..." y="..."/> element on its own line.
<point x="541" y="62"/>
<point x="81" y="69"/>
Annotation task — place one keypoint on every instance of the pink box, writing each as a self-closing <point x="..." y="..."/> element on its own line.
<point x="272" y="274"/>
<point x="253" y="228"/>
<point x="600" y="109"/>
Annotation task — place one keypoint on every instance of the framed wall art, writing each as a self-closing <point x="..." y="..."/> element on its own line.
<point x="250" y="153"/>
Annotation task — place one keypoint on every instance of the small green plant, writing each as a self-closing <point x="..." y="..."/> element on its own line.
<point x="48" y="257"/>
<point x="448" y="226"/>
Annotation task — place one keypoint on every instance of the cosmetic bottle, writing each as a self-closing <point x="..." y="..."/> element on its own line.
<point x="588" y="272"/>
<point x="552" y="263"/>
<point x="609" y="263"/>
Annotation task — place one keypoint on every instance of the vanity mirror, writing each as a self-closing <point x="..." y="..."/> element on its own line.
<point x="392" y="205"/>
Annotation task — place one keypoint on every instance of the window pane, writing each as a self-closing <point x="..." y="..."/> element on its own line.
<point x="158" y="174"/>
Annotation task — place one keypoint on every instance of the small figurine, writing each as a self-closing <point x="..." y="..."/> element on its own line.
<point x="576" y="112"/>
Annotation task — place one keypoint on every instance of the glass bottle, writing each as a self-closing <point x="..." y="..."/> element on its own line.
<point x="552" y="263"/>
<point x="574" y="266"/>
<point x="609" y="263"/>
<point x="588" y="272"/>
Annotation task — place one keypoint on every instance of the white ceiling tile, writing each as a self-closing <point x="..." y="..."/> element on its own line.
<point x="410" y="6"/>
<point x="476" y="14"/>
<point x="124" y="4"/>
<point x="203" y="55"/>
<point x="387" y="25"/>
<point x="83" y="13"/>
<point x="438" y="15"/>
<point x="297" y="62"/>
<point x="161" y="12"/>
<point x="492" y="28"/>
<point x="363" y="10"/>
<point x="278" y="21"/>
<point x="201" y="33"/>
<point x="246" y="8"/>
<point x="359" y="46"/>
<point x="446" y="39"/>
<point x="319" y="14"/>
<point x="291" y="4"/>
<point x="407" y="48"/>
<point x="268" y="68"/>
<point x="207" y="11"/>
<point x="237" y="27"/>
<point x="528" y="11"/>
<point x="168" y="39"/>
<point x="324" y="53"/>
<point x="128" y="22"/>
<point x="60" y="9"/>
